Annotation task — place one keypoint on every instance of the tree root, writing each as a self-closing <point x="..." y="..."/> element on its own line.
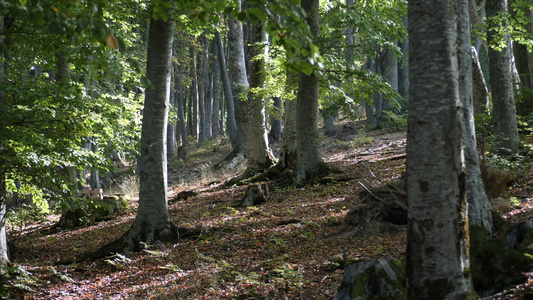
<point x="136" y="239"/>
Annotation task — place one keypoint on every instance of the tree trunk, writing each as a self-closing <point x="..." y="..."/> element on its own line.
<point x="194" y="96"/>
<point x="506" y="139"/>
<point x="215" y="113"/>
<point x="480" y="92"/>
<point x="239" y="84"/>
<point x="276" y="129"/>
<point x="228" y="94"/>
<point x="309" y="163"/>
<point x="3" y="201"/>
<point x="180" y="102"/>
<point x="171" y="130"/>
<point x="437" y="240"/>
<point x="287" y="159"/>
<point x="479" y="207"/>
<point x="152" y="221"/>
<point x="403" y="66"/>
<point x="259" y="154"/>
<point x="202" y="77"/>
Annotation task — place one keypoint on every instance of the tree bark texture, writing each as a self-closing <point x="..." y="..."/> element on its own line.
<point x="180" y="102"/>
<point x="479" y="86"/>
<point x="479" y="207"/>
<point x="437" y="241"/>
<point x="3" y="201"/>
<point x="506" y="139"/>
<point x="309" y="163"/>
<point x="202" y="78"/>
<point x="194" y="95"/>
<point x="215" y="113"/>
<point x="228" y="94"/>
<point x="239" y="84"/>
<point x="259" y="154"/>
<point x="152" y="221"/>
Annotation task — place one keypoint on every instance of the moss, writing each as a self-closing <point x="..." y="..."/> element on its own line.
<point x="360" y="282"/>
<point x="493" y="265"/>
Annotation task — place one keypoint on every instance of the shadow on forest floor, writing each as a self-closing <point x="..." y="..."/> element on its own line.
<point x="282" y="249"/>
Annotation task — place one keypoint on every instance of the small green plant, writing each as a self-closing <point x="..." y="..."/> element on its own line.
<point x="394" y="121"/>
<point x="63" y="277"/>
<point x="278" y="240"/>
<point x="118" y="260"/>
<point x="21" y="279"/>
<point x="361" y="139"/>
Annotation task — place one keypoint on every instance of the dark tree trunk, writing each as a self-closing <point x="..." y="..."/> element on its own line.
<point x="276" y="131"/>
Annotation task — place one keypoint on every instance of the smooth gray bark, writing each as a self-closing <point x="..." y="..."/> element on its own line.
<point x="479" y="87"/>
<point x="239" y="80"/>
<point x="171" y="131"/>
<point x="194" y="128"/>
<point x="437" y="240"/>
<point x="228" y="94"/>
<point x="309" y="163"/>
<point x="287" y="159"/>
<point x="152" y="221"/>
<point x="180" y="102"/>
<point x="479" y="207"/>
<point x="260" y="156"/>
<point x="202" y="81"/>
<point x="215" y="113"/>
<point x="506" y="139"/>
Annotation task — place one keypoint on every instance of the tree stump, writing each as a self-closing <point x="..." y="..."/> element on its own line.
<point x="182" y="153"/>
<point x="255" y="194"/>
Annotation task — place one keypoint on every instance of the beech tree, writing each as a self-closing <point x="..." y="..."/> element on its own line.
<point x="506" y="137"/>
<point x="152" y="221"/>
<point x="309" y="163"/>
<point x="437" y="245"/>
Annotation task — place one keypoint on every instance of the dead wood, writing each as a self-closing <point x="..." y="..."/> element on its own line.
<point x="380" y="209"/>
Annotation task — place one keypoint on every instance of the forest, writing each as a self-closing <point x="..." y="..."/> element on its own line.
<point x="266" y="149"/>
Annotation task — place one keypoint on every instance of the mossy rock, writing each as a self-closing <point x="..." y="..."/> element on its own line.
<point x="376" y="279"/>
<point x="493" y="264"/>
<point x="95" y="210"/>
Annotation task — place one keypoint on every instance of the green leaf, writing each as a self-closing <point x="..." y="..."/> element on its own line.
<point x="257" y="13"/>
<point x="23" y="2"/>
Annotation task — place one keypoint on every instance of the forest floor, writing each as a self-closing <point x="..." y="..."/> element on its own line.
<point x="285" y="248"/>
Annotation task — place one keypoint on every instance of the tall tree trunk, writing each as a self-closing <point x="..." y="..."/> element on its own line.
<point x="403" y="66"/>
<point x="228" y="94"/>
<point x="202" y="89"/>
<point x="194" y="95"/>
<point x="259" y="154"/>
<point x="152" y="221"/>
<point x="276" y="129"/>
<point x="171" y="130"/>
<point x="524" y="64"/>
<point x="309" y="163"/>
<point x="437" y="240"/>
<point x="180" y="102"/>
<point x="215" y="114"/>
<point x="479" y="207"/>
<point x="239" y="84"/>
<point x="480" y="92"/>
<point x="3" y="200"/>
<point x="506" y="139"/>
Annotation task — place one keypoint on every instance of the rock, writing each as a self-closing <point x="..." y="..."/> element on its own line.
<point x="94" y="211"/>
<point x="376" y="279"/>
